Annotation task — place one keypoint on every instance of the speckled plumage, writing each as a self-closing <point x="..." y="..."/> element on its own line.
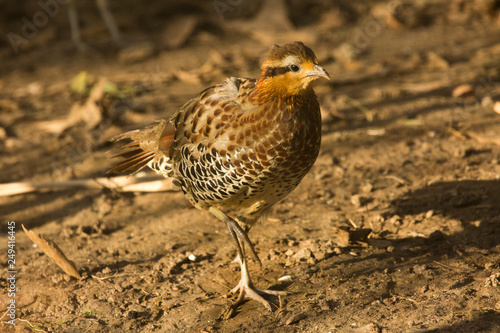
<point x="242" y="145"/>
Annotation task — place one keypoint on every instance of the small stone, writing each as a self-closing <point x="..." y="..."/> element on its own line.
<point x="57" y="278"/>
<point x="356" y="201"/>
<point x="489" y="265"/>
<point x="493" y="280"/>
<point x="303" y="254"/>
<point x="487" y="101"/>
<point x="34" y="89"/>
<point x="289" y="252"/>
<point x="273" y="255"/>
<point x="429" y="214"/>
<point x="359" y="201"/>
<point x="390" y="249"/>
<point x="319" y="255"/>
<point x="419" y="269"/>
<point x="366" y="188"/>
<point x="395" y="220"/>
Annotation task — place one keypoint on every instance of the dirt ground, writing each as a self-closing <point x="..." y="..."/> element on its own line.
<point x="395" y="229"/>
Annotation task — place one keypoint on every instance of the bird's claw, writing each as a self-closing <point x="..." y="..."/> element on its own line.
<point x="246" y="290"/>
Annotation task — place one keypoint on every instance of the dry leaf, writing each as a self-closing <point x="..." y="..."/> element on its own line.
<point x="53" y="252"/>
<point x="89" y="112"/>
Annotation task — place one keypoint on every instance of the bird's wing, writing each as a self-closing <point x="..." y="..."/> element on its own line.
<point x="159" y="144"/>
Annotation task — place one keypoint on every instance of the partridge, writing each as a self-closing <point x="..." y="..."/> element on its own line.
<point x="239" y="147"/>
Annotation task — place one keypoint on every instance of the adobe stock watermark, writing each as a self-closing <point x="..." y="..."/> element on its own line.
<point x="361" y="37"/>
<point x="11" y="272"/>
<point x="30" y="28"/>
<point x="223" y="6"/>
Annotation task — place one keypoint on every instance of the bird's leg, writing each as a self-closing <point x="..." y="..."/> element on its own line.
<point x="237" y="233"/>
<point x="245" y="286"/>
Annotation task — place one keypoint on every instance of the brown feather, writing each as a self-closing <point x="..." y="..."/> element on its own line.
<point x="134" y="163"/>
<point x="154" y="140"/>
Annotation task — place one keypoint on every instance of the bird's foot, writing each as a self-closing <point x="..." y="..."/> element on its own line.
<point x="247" y="290"/>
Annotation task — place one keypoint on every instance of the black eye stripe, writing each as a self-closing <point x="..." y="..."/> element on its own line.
<point x="273" y="71"/>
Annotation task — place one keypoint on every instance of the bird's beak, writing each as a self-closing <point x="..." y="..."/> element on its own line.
<point x="318" y="71"/>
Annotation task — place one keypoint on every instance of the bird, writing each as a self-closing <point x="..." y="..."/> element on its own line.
<point x="239" y="147"/>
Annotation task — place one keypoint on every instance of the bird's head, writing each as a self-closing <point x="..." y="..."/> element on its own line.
<point x="289" y="70"/>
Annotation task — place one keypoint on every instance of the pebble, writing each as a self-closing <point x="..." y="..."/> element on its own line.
<point x="395" y="220"/>
<point x="359" y="201"/>
<point x="489" y="265"/>
<point x="303" y="254"/>
<point x="419" y="269"/>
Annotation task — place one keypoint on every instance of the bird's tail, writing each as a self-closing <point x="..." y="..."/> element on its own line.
<point x="150" y="146"/>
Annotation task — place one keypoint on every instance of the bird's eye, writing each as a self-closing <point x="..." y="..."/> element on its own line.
<point x="294" y="68"/>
